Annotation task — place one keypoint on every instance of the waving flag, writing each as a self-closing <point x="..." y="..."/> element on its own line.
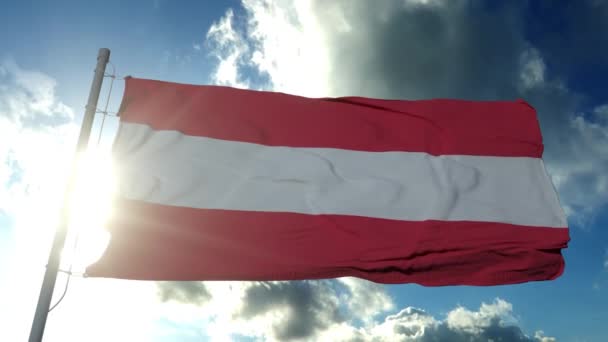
<point x="219" y="183"/>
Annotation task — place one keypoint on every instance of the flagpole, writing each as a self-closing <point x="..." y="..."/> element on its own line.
<point x="50" y="275"/>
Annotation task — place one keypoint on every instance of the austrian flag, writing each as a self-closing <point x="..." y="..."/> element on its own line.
<point x="219" y="183"/>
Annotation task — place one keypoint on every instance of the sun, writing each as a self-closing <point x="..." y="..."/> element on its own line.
<point x="90" y="207"/>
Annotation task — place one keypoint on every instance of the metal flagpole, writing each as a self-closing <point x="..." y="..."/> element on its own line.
<point x="50" y="275"/>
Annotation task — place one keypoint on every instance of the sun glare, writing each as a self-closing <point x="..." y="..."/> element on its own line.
<point x="90" y="207"/>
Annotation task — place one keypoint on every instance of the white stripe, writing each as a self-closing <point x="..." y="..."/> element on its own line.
<point x="167" y="167"/>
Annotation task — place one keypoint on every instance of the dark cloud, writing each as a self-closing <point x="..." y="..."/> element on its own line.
<point x="186" y="292"/>
<point x="456" y="49"/>
<point x="307" y="307"/>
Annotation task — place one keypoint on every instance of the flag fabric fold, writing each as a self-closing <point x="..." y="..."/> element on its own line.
<point x="218" y="183"/>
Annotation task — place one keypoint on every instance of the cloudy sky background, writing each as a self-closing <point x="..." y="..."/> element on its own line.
<point x="554" y="57"/>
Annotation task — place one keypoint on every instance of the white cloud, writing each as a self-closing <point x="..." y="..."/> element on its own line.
<point x="410" y="324"/>
<point x="581" y="173"/>
<point x="28" y="98"/>
<point x="230" y="49"/>
<point x="365" y="298"/>
<point x="475" y="322"/>
<point x="533" y="67"/>
<point x="37" y="139"/>
<point x="492" y="322"/>
<point x="37" y="132"/>
<point x="540" y="337"/>
<point x="290" y="44"/>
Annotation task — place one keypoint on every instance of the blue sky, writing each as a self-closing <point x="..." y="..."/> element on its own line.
<point x="555" y="57"/>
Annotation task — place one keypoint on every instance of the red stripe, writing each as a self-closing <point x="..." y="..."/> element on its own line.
<point x="156" y="242"/>
<point x="438" y="127"/>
